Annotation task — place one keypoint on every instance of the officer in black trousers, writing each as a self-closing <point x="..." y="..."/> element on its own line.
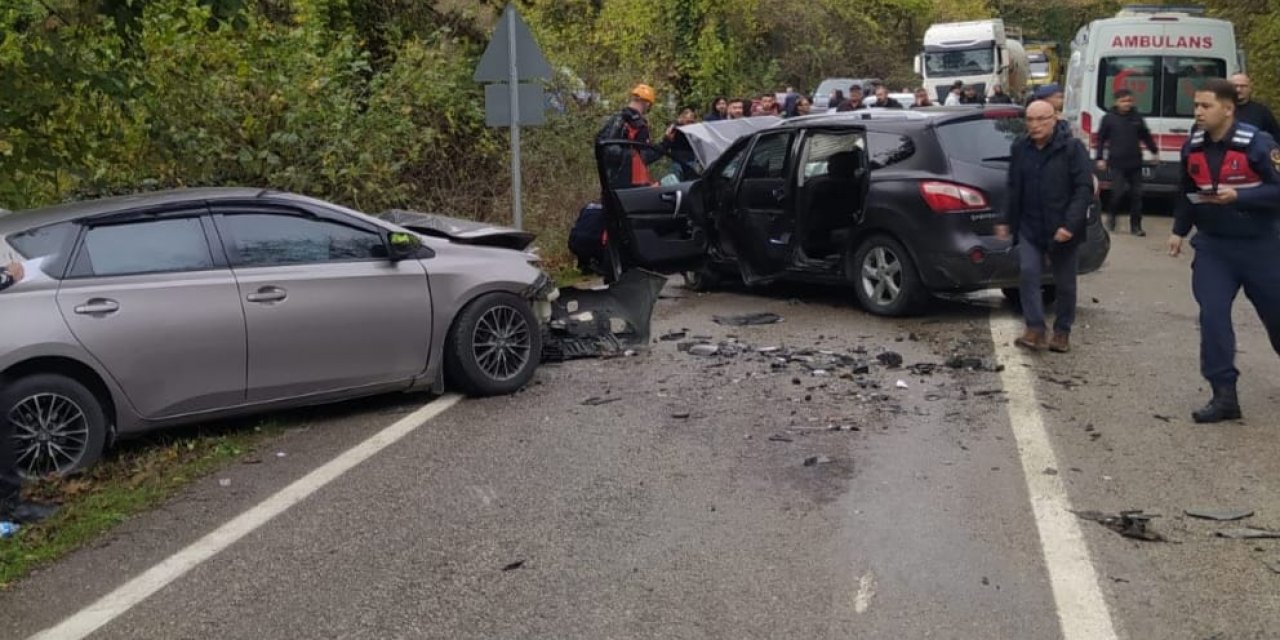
<point x="1231" y="195"/>
<point x="12" y="508"/>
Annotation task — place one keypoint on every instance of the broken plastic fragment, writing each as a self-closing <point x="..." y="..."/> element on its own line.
<point x="1247" y="533"/>
<point x="1221" y="515"/>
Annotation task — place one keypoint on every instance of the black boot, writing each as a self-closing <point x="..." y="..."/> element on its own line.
<point x="1224" y="406"/>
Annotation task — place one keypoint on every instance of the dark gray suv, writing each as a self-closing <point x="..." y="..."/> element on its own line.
<point x="899" y="204"/>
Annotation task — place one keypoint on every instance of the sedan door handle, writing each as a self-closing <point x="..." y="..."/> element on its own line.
<point x="98" y="306"/>
<point x="779" y="194"/>
<point x="268" y="294"/>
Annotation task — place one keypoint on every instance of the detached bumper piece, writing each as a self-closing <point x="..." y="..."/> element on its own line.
<point x="604" y="321"/>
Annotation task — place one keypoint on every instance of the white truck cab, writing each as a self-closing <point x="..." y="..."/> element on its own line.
<point x="980" y="53"/>
<point x="1163" y="54"/>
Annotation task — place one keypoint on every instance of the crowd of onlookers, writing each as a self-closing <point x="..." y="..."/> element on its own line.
<point x="791" y="104"/>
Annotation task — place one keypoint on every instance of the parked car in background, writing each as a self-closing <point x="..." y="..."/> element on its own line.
<point x="179" y="306"/>
<point x="900" y="204"/>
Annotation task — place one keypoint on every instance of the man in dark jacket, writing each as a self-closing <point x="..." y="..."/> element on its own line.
<point x="998" y="96"/>
<point x="628" y="167"/>
<point x="1231" y="195"/>
<point x="1050" y="191"/>
<point x="1124" y="132"/>
<point x="1250" y="111"/>
<point x="12" y="508"/>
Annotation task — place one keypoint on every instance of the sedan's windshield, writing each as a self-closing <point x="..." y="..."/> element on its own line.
<point x="960" y="62"/>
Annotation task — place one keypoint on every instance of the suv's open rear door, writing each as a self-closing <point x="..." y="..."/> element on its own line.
<point x="652" y="218"/>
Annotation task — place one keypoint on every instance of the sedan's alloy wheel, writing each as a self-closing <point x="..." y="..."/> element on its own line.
<point x="51" y="433"/>
<point x="502" y="342"/>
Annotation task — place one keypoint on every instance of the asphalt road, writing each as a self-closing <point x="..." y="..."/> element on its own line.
<point x="667" y="495"/>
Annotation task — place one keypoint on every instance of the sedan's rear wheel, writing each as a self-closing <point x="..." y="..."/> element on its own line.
<point x="59" y="426"/>
<point x="885" y="278"/>
<point x="494" y="346"/>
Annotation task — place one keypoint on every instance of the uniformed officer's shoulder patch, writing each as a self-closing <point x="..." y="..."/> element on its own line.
<point x="1275" y="157"/>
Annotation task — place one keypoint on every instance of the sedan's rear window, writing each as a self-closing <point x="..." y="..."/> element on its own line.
<point x="986" y="139"/>
<point x="42" y="242"/>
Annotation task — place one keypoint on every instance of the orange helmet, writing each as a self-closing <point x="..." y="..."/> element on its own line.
<point x="644" y="92"/>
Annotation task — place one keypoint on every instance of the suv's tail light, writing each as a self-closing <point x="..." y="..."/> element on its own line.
<point x="946" y="197"/>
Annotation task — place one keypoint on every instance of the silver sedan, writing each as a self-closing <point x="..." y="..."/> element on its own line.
<point x="182" y="306"/>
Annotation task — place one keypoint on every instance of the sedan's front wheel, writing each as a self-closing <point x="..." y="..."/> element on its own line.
<point x="59" y="426"/>
<point x="494" y="346"/>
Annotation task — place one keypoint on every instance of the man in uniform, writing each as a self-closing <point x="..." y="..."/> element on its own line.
<point x="1231" y="195"/>
<point x="12" y="508"/>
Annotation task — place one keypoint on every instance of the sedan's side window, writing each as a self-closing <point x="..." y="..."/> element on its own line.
<point x="153" y="246"/>
<point x="268" y="239"/>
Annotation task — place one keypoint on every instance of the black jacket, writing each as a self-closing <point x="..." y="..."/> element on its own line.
<point x="1065" y="185"/>
<point x="1000" y="98"/>
<point x="1125" y="132"/>
<point x="1258" y="115"/>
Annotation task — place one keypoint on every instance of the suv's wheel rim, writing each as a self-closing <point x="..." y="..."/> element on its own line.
<point x="50" y="433"/>
<point x="502" y="343"/>
<point x="882" y="276"/>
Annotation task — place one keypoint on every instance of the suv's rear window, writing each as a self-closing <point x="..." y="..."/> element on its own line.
<point x="986" y="139"/>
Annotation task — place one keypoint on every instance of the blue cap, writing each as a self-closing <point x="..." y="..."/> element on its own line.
<point x="1048" y="90"/>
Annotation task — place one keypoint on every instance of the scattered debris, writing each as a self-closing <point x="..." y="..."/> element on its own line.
<point x="595" y="401"/>
<point x="1162" y="418"/>
<point x="815" y="460"/>
<point x="748" y="319"/>
<point x="281" y="454"/>
<point x="1247" y="533"/>
<point x="602" y="321"/>
<point x="1050" y="471"/>
<point x="1221" y="515"/>
<point x="1273" y="565"/>
<point x="890" y="359"/>
<point x="224" y="482"/>
<point x="681" y="415"/>
<point x="703" y="350"/>
<point x="1130" y="524"/>
<point x="777" y="437"/>
<point x="902" y="384"/>
<point x="514" y="565"/>
<point x="923" y="368"/>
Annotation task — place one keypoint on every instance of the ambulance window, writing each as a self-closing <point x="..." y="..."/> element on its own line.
<point x="1135" y="73"/>
<point x="1183" y="76"/>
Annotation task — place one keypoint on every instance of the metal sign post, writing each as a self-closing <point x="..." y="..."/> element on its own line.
<point x="511" y="57"/>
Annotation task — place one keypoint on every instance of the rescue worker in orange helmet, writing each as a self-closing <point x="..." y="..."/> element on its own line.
<point x="628" y="166"/>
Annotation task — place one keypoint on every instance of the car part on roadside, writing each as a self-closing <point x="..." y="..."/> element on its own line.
<point x="602" y="321"/>
<point x="749" y="319"/>
<point x="1130" y="524"/>
<point x="1247" y="533"/>
<point x="1220" y="515"/>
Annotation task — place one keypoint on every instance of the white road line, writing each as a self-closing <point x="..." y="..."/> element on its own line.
<point x="128" y="595"/>
<point x="1082" y="609"/>
<point x="866" y="591"/>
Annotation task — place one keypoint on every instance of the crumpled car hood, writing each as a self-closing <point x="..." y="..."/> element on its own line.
<point x="460" y="230"/>
<point x="710" y="139"/>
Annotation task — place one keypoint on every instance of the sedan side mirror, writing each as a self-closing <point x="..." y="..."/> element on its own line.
<point x="402" y="246"/>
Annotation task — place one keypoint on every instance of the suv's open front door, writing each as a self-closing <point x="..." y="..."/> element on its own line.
<point x="651" y="214"/>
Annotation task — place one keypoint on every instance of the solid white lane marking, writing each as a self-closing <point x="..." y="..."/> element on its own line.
<point x="1082" y="609"/>
<point x="128" y="595"/>
<point x="866" y="591"/>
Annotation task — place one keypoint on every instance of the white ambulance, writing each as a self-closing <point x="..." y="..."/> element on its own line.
<point x="1160" y="53"/>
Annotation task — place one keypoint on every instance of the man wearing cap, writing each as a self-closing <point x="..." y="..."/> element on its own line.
<point x="629" y="167"/>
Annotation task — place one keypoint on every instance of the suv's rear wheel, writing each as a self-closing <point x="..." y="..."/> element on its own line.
<point x="494" y="346"/>
<point x="885" y="278"/>
<point x="59" y="426"/>
<point x="701" y="279"/>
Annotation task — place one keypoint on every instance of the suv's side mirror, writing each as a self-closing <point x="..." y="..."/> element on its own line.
<point x="402" y="246"/>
